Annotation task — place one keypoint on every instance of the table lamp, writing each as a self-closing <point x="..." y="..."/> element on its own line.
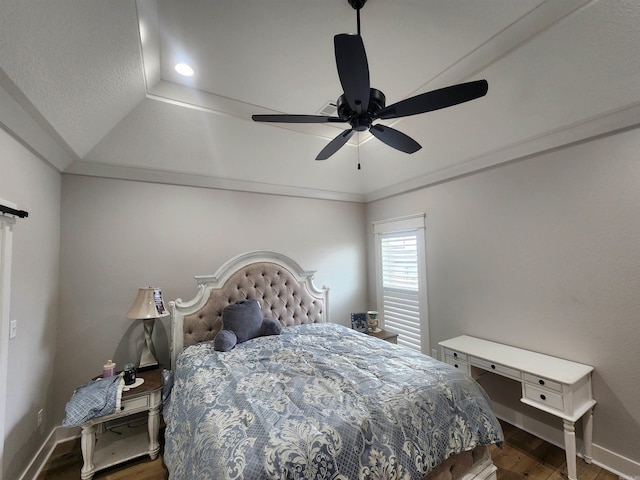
<point x="148" y="306"/>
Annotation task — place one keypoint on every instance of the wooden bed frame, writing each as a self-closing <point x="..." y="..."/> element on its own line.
<point x="288" y="294"/>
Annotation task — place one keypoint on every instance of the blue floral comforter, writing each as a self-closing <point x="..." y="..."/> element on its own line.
<point x="319" y="401"/>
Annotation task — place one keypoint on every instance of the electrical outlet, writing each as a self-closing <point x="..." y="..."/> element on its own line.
<point x="13" y="330"/>
<point x="40" y="416"/>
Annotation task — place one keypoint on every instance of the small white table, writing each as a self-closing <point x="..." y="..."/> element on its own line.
<point x="556" y="386"/>
<point x="102" y="448"/>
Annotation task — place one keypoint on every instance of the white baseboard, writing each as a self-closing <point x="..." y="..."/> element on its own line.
<point x="621" y="466"/>
<point x="57" y="435"/>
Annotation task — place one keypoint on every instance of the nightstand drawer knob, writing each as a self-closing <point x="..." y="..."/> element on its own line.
<point x="543" y="397"/>
<point x="455" y="365"/>
<point x="541" y="382"/>
<point x="455" y="354"/>
<point x="121" y="407"/>
<point x="493" y="367"/>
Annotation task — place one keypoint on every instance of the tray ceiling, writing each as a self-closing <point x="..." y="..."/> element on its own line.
<point x="91" y="87"/>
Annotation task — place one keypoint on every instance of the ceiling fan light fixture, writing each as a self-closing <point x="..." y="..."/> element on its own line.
<point x="184" y="69"/>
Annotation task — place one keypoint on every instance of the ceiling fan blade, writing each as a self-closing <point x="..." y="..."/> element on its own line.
<point x="353" y="70"/>
<point x="435" y="100"/>
<point x="296" y="118"/>
<point x="395" y="139"/>
<point x="334" y="145"/>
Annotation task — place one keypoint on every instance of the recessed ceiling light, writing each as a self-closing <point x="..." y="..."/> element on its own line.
<point x="184" y="69"/>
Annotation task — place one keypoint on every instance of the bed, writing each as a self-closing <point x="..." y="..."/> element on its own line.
<point x="318" y="401"/>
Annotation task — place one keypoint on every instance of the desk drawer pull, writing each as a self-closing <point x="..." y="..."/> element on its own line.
<point x="455" y="354"/>
<point x="457" y="363"/>
<point x="543" y="397"/>
<point x="543" y="382"/>
<point x="495" y="367"/>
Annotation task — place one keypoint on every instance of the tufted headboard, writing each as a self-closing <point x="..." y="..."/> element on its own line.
<point x="285" y="292"/>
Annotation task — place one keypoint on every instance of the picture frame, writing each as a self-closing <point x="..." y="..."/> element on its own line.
<point x="359" y="321"/>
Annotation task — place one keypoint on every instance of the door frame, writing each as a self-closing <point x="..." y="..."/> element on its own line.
<point x="6" y="245"/>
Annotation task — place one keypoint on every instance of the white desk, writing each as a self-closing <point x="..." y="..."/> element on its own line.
<point x="556" y="386"/>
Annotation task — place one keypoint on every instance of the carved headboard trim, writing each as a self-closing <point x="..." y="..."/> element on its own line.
<point x="285" y="291"/>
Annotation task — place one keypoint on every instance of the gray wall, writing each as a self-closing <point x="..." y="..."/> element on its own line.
<point x="544" y="254"/>
<point x="34" y="186"/>
<point x="119" y="235"/>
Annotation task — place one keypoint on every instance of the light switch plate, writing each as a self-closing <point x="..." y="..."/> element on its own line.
<point x="13" y="329"/>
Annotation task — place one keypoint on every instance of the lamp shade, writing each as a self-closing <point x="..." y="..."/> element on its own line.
<point x="148" y="304"/>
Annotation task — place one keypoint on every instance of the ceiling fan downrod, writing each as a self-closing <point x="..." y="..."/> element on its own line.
<point x="357" y="5"/>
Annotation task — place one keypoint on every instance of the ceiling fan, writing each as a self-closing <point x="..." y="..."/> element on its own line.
<point x="360" y="105"/>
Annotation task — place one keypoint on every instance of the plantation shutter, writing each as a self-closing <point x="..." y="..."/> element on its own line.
<point x="401" y="279"/>
<point x="400" y="286"/>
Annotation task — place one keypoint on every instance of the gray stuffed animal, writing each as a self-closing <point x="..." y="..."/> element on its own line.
<point x="242" y="321"/>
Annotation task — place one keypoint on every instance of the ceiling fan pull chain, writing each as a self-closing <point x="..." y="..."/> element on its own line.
<point x="358" y="17"/>
<point x="358" y="150"/>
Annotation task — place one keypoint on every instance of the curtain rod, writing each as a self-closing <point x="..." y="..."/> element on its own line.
<point x="13" y="211"/>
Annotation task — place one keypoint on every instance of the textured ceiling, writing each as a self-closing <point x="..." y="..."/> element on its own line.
<point x="90" y="86"/>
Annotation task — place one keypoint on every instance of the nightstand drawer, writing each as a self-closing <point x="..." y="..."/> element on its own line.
<point x="542" y="382"/>
<point x="134" y="404"/>
<point x="543" y="397"/>
<point x="455" y="354"/>
<point x="495" y="367"/>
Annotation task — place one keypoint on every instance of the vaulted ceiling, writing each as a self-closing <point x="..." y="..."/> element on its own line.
<point x="90" y="86"/>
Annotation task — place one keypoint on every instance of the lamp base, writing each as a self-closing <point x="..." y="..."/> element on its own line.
<point x="148" y="359"/>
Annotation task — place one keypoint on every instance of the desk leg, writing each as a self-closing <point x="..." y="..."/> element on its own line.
<point x="570" y="448"/>
<point x="587" y="425"/>
<point x="88" y="445"/>
<point x="154" y="428"/>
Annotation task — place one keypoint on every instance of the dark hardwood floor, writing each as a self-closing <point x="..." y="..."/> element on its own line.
<point x="524" y="457"/>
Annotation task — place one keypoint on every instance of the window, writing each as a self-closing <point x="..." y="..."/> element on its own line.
<point x="401" y="279"/>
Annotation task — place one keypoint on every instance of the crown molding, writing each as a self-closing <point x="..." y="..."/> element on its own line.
<point x="605" y="124"/>
<point x="120" y="172"/>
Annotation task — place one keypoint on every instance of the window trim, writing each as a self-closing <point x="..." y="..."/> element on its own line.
<point x="415" y="223"/>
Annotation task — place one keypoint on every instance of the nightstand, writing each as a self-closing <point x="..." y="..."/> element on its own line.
<point x="391" y="337"/>
<point x="102" y="448"/>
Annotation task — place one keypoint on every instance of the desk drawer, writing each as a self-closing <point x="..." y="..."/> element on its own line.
<point x="542" y="382"/>
<point x="464" y="366"/>
<point x="495" y="367"/>
<point x="543" y="397"/>
<point x="455" y="354"/>
<point x="134" y="404"/>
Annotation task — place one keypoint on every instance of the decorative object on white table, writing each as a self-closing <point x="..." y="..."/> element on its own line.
<point x="373" y="321"/>
<point x="148" y="306"/>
